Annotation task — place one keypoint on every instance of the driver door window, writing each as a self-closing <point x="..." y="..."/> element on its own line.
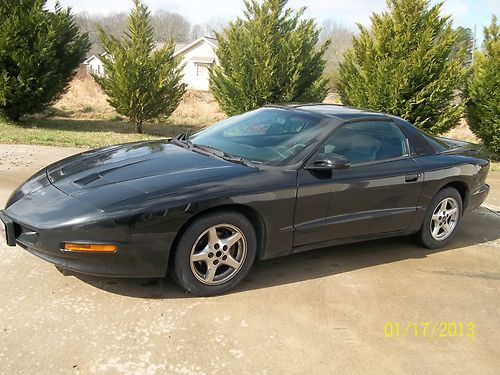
<point x="364" y="142"/>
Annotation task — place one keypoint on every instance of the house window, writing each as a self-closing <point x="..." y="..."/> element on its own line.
<point x="202" y="69"/>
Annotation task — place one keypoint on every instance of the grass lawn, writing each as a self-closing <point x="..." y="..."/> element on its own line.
<point x="85" y="133"/>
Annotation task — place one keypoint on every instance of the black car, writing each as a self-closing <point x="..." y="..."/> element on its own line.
<point x="267" y="183"/>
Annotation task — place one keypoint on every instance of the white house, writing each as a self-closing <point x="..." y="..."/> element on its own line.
<point x="94" y="65"/>
<point x="197" y="57"/>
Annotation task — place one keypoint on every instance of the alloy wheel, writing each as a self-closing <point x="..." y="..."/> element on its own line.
<point x="218" y="254"/>
<point x="444" y="219"/>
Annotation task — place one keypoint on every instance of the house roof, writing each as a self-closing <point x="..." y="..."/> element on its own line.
<point x="212" y="39"/>
<point x="209" y="40"/>
<point x="179" y="46"/>
<point x="93" y="57"/>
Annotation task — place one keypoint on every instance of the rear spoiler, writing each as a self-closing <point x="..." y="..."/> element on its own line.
<point x="465" y="148"/>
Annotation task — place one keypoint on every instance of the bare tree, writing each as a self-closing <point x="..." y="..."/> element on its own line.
<point x="115" y="24"/>
<point x="166" y="25"/>
<point x="340" y="39"/>
<point x="214" y="25"/>
<point x="169" y="25"/>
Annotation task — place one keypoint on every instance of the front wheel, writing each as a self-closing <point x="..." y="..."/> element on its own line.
<point x="442" y="219"/>
<point x="215" y="253"/>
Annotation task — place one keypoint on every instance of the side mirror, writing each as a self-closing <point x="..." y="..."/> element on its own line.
<point x="328" y="162"/>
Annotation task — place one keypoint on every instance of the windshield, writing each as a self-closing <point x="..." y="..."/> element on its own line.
<point x="271" y="136"/>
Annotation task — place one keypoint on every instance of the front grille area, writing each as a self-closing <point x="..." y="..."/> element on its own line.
<point x="25" y="235"/>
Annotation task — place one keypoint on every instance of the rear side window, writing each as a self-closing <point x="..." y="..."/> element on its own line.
<point x="438" y="145"/>
<point x="369" y="141"/>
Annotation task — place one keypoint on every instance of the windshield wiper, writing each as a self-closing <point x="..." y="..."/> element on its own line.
<point x="223" y="155"/>
<point x="183" y="141"/>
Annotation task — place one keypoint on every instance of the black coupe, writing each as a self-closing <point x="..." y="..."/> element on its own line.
<point x="267" y="183"/>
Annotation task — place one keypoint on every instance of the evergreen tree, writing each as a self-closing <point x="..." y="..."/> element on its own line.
<point x="269" y="56"/>
<point x="483" y="89"/>
<point x="39" y="53"/>
<point x="407" y="64"/>
<point x="142" y="82"/>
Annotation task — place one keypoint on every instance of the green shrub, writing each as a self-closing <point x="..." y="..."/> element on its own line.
<point x="142" y="82"/>
<point x="39" y="52"/>
<point x="269" y="56"/>
<point x="407" y="64"/>
<point x="483" y="89"/>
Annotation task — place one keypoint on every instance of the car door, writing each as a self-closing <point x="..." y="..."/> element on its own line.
<point x="377" y="193"/>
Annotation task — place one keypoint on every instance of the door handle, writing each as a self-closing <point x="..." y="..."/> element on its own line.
<point x="412" y="177"/>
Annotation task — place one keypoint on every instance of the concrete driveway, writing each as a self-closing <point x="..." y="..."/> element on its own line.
<point x="321" y="312"/>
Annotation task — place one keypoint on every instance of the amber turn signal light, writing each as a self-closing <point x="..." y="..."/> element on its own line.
<point x="91" y="248"/>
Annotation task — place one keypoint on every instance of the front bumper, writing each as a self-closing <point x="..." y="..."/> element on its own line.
<point x="7" y="228"/>
<point x="42" y="221"/>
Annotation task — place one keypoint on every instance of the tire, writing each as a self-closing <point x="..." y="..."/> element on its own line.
<point x="215" y="253"/>
<point x="441" y="222"/>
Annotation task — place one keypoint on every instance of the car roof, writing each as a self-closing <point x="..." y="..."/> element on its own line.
<point x="332" y="110"/>
<point x="345" y="113"/>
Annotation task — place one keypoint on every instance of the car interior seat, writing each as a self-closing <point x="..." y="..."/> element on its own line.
<point x="363" y="148"/>
<point x="389" y="147"/>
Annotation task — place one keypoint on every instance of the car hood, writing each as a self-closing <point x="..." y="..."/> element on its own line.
<point x="130" y="163"/>
<point x="123" y="179"/>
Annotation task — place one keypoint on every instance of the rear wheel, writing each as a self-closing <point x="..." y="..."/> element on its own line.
<point x="441" y="219"/>
<point x="215" y="253"/>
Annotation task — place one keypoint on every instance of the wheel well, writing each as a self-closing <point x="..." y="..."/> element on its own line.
<point x="251" y="214"/>
<point x="462" y="189"/>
